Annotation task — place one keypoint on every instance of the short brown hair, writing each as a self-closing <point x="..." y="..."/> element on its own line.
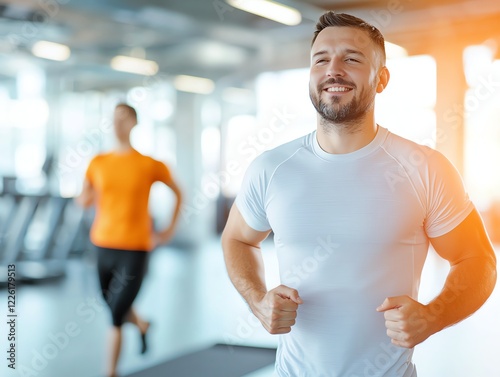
<point x="130" y="110"/>
<point x="331" y="18"/>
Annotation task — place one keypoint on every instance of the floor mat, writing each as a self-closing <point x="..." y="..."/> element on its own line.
<point x="220" y="360"/>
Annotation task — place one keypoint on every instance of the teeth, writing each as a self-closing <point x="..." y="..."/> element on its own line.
<point x="338" y="89"/>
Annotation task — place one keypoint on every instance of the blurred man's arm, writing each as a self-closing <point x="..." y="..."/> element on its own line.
<point x="168" y="233"/>
<point x="87" y="196"/>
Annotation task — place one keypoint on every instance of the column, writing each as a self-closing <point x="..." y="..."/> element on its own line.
<point x="195" y="223"/>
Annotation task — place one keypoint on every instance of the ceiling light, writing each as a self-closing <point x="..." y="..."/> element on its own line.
<point x="218" y="54"/>
<point x="394" y="51"/>
<point x="194" y="84"/>
<point x="51" y="50"/>
<point x="269" y="9"/>
<point x="134" y="65"/>
<point x="238" y="95"/>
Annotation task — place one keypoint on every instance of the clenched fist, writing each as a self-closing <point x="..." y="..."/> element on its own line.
<point x="408" y="322"/>
<point x="277" y="309"/>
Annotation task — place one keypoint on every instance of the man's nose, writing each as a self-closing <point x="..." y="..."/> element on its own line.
<point x="335" y="68"/>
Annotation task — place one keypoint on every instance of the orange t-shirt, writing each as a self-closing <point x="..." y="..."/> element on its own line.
<point x="122" y="183"/>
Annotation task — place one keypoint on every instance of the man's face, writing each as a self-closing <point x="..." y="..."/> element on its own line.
<point x="123" y="123"/>
<point x="344" y="74"/>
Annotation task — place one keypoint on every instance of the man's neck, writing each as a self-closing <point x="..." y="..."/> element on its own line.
<point x="123" y="148"/>
<point x="342" y="139"/>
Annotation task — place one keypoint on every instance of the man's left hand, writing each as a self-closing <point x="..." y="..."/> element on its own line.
<point x="407" y="321"/>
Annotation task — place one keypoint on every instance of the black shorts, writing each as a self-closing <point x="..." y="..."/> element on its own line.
<point x="120" y="275"/>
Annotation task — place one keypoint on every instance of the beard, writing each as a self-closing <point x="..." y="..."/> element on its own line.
<point x="347" y="114"/>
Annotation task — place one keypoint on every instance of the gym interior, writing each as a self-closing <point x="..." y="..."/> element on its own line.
<point x="214" y="86"/>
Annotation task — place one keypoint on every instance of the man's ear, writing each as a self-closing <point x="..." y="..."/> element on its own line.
<point x="383" y="79"/>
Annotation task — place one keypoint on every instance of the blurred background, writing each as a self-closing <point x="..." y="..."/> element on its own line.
<point x="214" y="86"/>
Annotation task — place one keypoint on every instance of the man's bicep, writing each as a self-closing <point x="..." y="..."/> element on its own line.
<point x="237" y="229"/>
<point x="467" y="240"/>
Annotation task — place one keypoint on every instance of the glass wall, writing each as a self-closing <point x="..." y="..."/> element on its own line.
<point x="23" y="127"/>
<point x="482" y="133"/>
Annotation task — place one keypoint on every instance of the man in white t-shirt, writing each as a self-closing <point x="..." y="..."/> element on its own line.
<point x="353" y="209"/>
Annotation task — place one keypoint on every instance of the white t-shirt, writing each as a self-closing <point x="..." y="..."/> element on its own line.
<point x="350" y="230"/>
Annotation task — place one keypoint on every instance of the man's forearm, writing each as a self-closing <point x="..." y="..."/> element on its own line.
<point x="177" y="209"/>
<point x="85" y="200"/>
<point x="467" y="287"/>
<point x="245" y="268"/>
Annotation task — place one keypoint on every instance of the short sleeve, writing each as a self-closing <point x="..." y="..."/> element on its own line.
<point x="448" y="203"/>
<point x="251" y="197"/>
<point x="161" y="172"/>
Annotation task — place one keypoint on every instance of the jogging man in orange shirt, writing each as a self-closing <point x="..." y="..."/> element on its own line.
<point x="118" y="184"/>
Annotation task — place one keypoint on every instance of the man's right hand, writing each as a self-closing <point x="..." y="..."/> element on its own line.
<point x="277" y="309"/>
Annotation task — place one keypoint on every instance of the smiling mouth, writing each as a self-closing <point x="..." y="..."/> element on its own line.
<point x="337" y="89"/>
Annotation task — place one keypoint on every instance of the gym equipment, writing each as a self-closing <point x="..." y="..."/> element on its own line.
<point x="38" y="235"/>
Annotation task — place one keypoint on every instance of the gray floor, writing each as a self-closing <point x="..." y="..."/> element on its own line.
<point x="62" y="326"/>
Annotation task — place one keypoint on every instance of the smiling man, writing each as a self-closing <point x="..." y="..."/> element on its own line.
<point x="358" y="207"/>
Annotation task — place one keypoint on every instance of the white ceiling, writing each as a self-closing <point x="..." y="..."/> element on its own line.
<point x="208" y="37"/>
